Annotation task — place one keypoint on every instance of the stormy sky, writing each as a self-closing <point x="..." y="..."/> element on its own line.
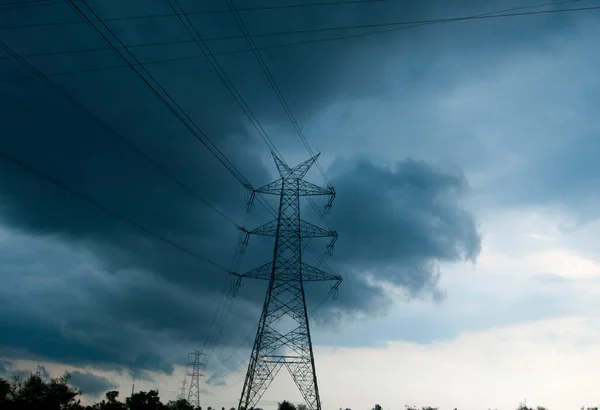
<point x="463" y="154"/>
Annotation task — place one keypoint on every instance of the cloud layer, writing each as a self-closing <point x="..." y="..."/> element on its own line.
<point x="100" y="291"/>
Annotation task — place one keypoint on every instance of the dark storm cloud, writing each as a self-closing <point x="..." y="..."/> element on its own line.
<point x="90" y="383"/>
<point x="396" y="223"/>
<point x="146" y="299"/>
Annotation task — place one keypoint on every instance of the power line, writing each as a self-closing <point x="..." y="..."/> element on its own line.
<point x="14" y="5"/>
<point x="174" y="42"/>
<point x="294" y="6"/>
<point x="228" y="301"/>
<point x="326" y="29"/>
<point x="228" y="298"/>
<point x="206" y="51"/>
<point x="276" y="46"/>
<point x="216" y="66"/>
<point x="107" y="210"/>
<point x="170" y="15"/>
<point x="403" y="23"/>
<point x="196" y="131"/>
<point x="274" y="86"/>
<point x="233" y="91"/>
<point x="112" y="132"/>
<point x="174" y="107"/>
<point x="192" y="126"/>
<point x="28" y="3"/>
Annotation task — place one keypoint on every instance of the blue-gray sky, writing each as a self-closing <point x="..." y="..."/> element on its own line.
<point x="437" y="138"/>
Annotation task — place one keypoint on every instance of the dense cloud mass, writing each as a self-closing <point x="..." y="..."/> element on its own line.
<point x="91" y="384"/>
<point x="89" y="288"/>
<point x="397" y="222"/>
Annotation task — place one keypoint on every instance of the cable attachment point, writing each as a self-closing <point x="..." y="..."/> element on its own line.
<point x="335" y="291"/>
<point x="330" y="202"/>
<point x="250" y="201"/>
<point x="243" y="238"/>
<point x="329" y="250"/>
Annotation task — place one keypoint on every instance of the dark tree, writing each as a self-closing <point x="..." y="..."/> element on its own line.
<point x="5" y="390"/>
<point x="144" y="401"/>
<point x="181" y="404"/>
<point x="286" y="405"/>
<point x="34" y="393"/>
<point x="110" y="403"/>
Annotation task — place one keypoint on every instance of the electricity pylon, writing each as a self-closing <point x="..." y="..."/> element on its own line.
<point x="285" y="298"/>
<point x="196" y="365"/>
<point x="183" y="394"/>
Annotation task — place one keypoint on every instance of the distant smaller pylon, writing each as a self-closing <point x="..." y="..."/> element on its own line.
<point x="195" y="371"/>
<point x="183" y="394"/>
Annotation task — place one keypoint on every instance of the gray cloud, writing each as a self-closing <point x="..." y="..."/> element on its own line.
<point x="125" y="299"/>
<point x="5" y="366"/>
<point x="90" y="383"/>
<point x="43" y="372"/>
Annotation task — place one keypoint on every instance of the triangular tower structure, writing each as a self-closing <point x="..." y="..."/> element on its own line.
<point x="285" y="299"/>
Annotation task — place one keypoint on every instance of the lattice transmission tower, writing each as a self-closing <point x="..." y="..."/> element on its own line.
<point x="285" y="302"/>
<point x="183" y="394"/>
<point x="195" y="372"/>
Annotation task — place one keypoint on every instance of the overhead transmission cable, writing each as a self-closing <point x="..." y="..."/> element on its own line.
<point x="216" y="66"/>
<point x="228" y="305"/>
<point x="207" y="53"/>
<point x="96" y="119"/>
<point x="277" y="90"/>
<point x="108" y="211"/>
<point x="182" y="116"/>
<point x="178" y="111"/>
<point x="404" y="23"/>
<point x="162" y="94"/>
<point x="347" y="27"/>
<point x="272" y="82"/>
<point x="274" y="86"/>
<point x="119" y="137"/>
<point x="35" y="3"/>
<point x="112" y="132"/>
<point x="409" y="25"/>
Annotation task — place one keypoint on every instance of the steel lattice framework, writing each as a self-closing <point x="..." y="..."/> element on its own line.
<point x="197" y="367"/>
<point x="285" y="298"/>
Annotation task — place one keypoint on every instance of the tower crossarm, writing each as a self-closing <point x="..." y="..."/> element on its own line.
<point x="312" y="274"/>
<point x="306" y="188"/>
<point x="272" y="188"/>
<point x="307" y="230"/>
<point x="262" y="272"/>
<point x="309" y="273"/>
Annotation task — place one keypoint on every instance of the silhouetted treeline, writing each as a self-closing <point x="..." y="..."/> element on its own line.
<point x="36" y="393"/>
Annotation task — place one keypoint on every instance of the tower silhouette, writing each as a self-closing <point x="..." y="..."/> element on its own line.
<point x="196" y="366"/>
<point x="283" y="335"/>
<point x="183" y="394"/>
